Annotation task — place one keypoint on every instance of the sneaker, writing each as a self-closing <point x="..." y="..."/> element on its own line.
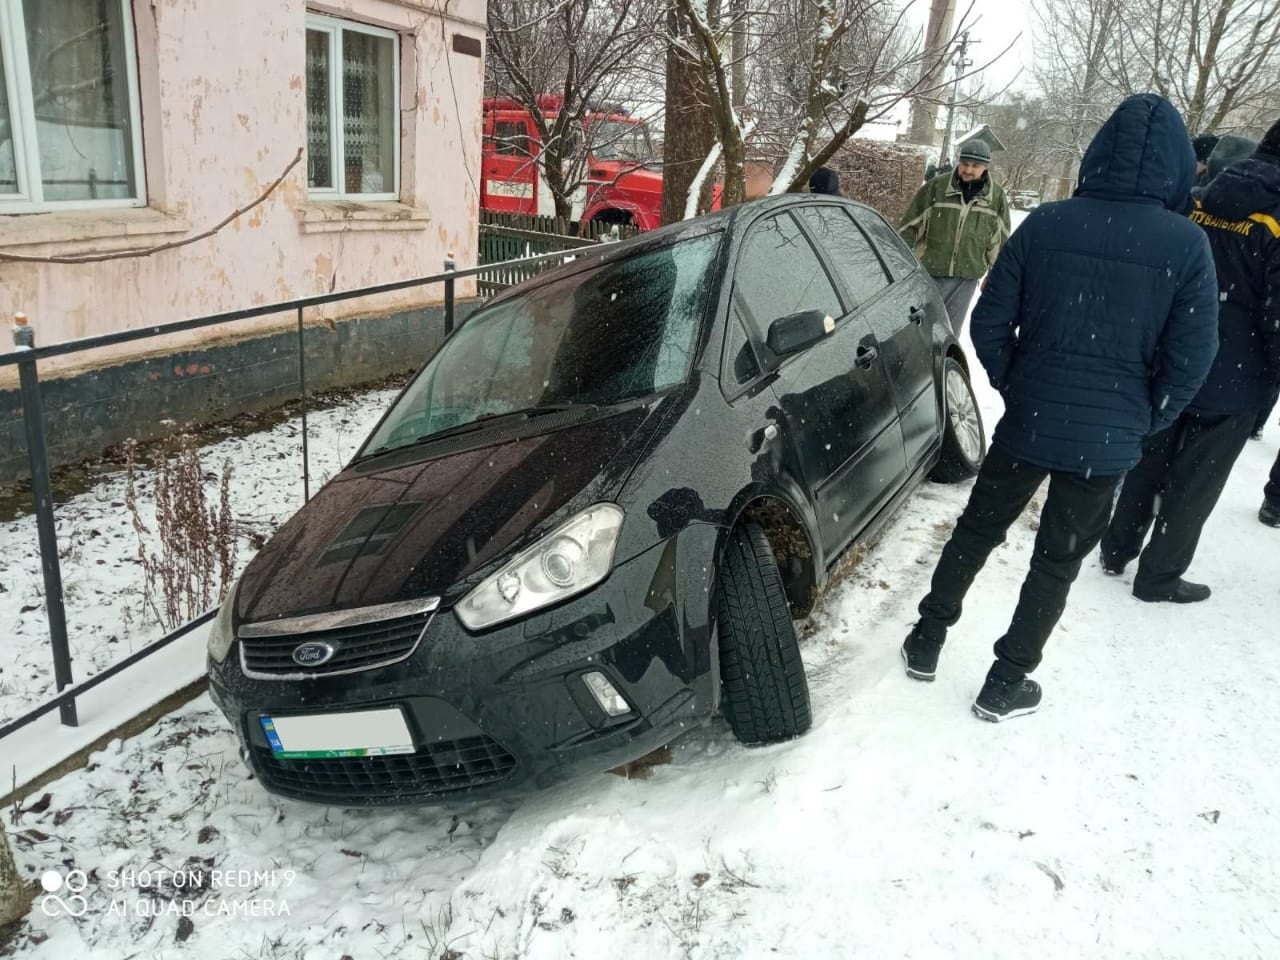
<point x="1001" y="699"/>
<point x="920" y="656"/>
<point x="1256" y="435"/>
<point x="1112" y="568"/>
<point x="1184" y="591"/>
<point x="1269" y="513"/>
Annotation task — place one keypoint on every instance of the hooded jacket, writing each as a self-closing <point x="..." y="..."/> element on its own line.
<point x="1240" y="214"/>
<point x="952" y="237"/>
<point x="1099" y="320"/>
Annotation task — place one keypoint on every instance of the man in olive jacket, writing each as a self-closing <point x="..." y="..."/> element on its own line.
<point x="957" y="223"/>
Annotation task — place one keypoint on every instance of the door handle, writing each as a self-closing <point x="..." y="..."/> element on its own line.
<point x="761" y="437"/>
<point x="916" y="314"/>
<point x="866" y="356"/>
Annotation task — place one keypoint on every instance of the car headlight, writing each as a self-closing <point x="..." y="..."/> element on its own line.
<point x="572" y="558"/>
<point x="222" y="634"/>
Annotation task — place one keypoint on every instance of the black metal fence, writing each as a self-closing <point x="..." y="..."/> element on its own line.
<point x="26" y="357"/>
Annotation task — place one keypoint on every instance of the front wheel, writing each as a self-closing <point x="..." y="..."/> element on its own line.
<point x="964" y="442"/>
<point x="765" y="692"/>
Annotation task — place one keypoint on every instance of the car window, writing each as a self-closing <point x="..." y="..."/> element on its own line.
<point x="849" y="251"/>
<point x="779" y="274"/>
<point x="621" y="331"/>
<point x="742" y="356"/>
<point x="511" y="138"/>
<point x="890" y="246"/>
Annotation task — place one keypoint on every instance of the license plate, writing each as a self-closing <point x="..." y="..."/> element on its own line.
<point x="367" y="733"/>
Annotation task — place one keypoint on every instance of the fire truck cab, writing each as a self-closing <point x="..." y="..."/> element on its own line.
<point x="621" y="184"/>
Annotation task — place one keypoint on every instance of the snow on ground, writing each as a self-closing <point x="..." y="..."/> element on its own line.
<point x="1134" y="815"/>
<point x="102" y="578"/>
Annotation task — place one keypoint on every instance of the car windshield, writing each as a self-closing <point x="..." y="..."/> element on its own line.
<point x="620" y="140"/>
<point x="619" y="332"/>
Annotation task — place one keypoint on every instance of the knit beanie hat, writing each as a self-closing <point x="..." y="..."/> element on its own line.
<point x="1270" y="145"/>
<point x="976" y="151"/>
<point x="1203" y="146"/>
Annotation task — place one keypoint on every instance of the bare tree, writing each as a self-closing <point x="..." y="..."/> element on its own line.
<point x="581" y="51"/>
<point x="819" y="71"/>
<point x="1026" y="128"/>
<point x="1216" y="60"/>
<point x="1211" y="58"/>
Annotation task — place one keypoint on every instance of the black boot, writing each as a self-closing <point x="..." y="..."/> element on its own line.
<point x="1002" y="698"/>
<point x="1270" y="513"/>
<point x="1182" y="592"/>
<point x="920" y="654"/>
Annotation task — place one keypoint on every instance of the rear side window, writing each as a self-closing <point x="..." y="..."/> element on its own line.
<point x="779" y="274"/>
<point x="849" y="251"/>
<point x="891" y="246"/>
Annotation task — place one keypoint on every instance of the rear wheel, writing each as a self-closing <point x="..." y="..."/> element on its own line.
<point x="964" y="442"/>
<point x="765" y="693"/>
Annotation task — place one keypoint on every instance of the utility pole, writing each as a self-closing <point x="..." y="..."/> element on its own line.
<point x="962" y="63"/>
<point x="924" y="112"/>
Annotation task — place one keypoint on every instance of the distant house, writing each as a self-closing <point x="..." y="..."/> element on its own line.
<point x="126" y="124"/>
<point x="984" y="133"/>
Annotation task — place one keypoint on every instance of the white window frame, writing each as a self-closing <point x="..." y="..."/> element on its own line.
<point x="334" y="27"/>
<point x="30" y="195"/>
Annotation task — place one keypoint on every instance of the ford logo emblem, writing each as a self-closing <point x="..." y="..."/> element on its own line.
<point x="312" y="654"/>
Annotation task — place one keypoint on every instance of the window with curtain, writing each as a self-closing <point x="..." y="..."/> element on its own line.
<point x="69" y="132"/>
<point x="353" y="130"/>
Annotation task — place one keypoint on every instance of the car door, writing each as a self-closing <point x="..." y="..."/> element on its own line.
<point x="509" y="169"/>
<point x="888" y="308"/>
<point x="836" y="404"/>
<point x="903" y="321"/>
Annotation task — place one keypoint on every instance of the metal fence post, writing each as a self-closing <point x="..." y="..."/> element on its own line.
<point x="41" y="489"/>
<point x="450" y="265"/>
<point x="302" y="383"/>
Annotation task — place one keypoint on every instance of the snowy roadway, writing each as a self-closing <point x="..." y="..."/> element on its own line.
<point x="1134" y="816"/>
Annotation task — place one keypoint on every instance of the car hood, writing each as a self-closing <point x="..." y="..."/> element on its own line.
<point x="412" y="523"/>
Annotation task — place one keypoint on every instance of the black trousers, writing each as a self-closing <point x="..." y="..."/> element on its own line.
<point x="1260" y="421"/>
<point x="1272" y="490"/>
<point x="1073" y="519"/>
<point x="1171" y="493"/>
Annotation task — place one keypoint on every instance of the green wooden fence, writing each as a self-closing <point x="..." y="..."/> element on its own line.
<point x="506" y="238"/>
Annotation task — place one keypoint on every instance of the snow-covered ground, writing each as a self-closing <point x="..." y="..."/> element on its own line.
<point x="1133" y="816"/>
<point x="98" y="546"/>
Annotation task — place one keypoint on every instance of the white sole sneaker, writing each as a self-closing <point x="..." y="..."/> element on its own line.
<point x="982" y="713"/>
<point x="915" y="674"/>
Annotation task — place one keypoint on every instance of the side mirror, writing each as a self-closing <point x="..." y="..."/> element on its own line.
<point x="788" y="335"/>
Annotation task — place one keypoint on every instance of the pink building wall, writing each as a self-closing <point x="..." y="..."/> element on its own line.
<point x="223" y="112"/>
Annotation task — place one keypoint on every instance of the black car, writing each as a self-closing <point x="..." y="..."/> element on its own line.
<point x="590" y="519"/>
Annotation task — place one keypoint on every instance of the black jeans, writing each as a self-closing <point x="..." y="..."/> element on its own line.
<point x="1171" y="493"/>
<point x="1260" y="421"/>
<point x="1073" y="519"/>
<point x="1272" y="490"/>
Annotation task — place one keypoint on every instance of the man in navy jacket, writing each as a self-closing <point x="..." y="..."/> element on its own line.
<point x="1097" y="325"/>
<point x="1185" y="467"/>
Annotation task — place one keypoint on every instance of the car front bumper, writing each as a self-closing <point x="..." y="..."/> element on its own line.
<point x="507" y="710"/>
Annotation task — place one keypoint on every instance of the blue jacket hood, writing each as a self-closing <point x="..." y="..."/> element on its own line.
<point x="1246" y="187"/>
<point x="1142" y="153"/>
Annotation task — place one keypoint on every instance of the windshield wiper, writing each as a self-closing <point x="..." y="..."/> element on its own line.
<point x="482" y="421"/>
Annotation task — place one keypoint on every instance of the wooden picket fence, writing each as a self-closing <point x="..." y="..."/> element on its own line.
<point x="506" y="238"/>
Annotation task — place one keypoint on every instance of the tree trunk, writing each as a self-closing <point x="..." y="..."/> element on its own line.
<point x="690" y="127"/>
<point x="15" y="895"/>
<point x="739" y="8"/>
<point x="924" y="112"/>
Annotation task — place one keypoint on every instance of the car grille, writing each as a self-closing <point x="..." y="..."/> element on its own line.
<point x="435" y="769"/>
<point x="267" y="650"/>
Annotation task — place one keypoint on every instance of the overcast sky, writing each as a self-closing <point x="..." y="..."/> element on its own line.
<point x="994" y="24"/>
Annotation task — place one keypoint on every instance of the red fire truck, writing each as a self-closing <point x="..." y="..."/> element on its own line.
<point x="623" y="185"/>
